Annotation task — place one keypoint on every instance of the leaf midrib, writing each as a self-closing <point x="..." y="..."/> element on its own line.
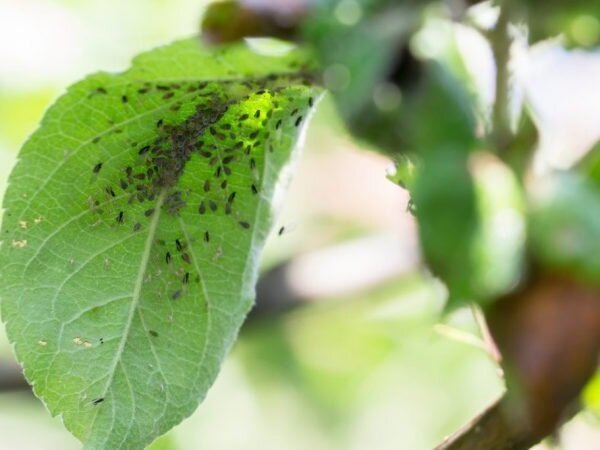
<point x="137" y="291"/>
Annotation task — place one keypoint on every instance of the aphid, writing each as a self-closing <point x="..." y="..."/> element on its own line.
<point x="228" y="159"/>
<point x="149" y="212"/>
<point x="128" y="171"/>
<point x="159" y="123"/>
<point x="212" y="131"/>
<point x="278" y="124"/>
<point x="97" y="401"/>
<point x="206" y="186"/>
<point x="175" y="107"/>
<point x="257" y="114"/>
<point x="231" y="198"/>
<point x="218" y="172"/>
<point x="186" y="258"/>
<point x="310" y="102"/>
<point x="281" y="231"/>
<point x="206" y="154"/>
<point x="178" y="245"/>
<point x="206" y="236"/>
<point x="101" y="340"/>
<point x="202" y="208"/>
<point x="168" y="95"/>
<point x="137" y="227"/>
<point x="238" y="145"/>
<point x="96" y="140"/>
<point x="244" y="225"/>
<point x="162" y="88"/>
<point x="226" y="126"/>
<point x="253" y="135"/>
<point x="298" y="121"/>
<point x="175" y="295"/>
<point x="243" y="117"/>
<point x="294" y="112"/>
<point x="168" y="258"/>
<point x="186" y="278"/>
<point x="120" y="217"/>
<point x="124" y="99"/>
<point x="153" y="333"/>
<point x="110" y="191"/>
<point x="97" y="168"/>
<point x="252" y="164"/>
<point x="144" y="150"/>
<point x="213" y="161"/>
<point x="269" y="113"/>
<point x="227" y="170"/>
<point x="227" y="208"/>
<point x="142" y="91"/>
<point x="140" y="176"/>
<point x="248" y="150"/>
<point x="212" y="205"/>
<point x="224" y="184"/>
<point x="254" y="189"/>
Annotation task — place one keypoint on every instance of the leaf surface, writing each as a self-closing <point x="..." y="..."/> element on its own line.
<point x="132" y="230"/>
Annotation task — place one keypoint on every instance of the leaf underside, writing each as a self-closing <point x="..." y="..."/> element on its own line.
<point x="131" y="233"/>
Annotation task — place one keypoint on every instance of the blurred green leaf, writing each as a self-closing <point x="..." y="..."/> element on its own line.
<point x="564" y="227"/>
<point x="133" y="224"/>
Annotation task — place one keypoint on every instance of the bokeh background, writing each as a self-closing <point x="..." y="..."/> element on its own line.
<point x="367" y="362"/>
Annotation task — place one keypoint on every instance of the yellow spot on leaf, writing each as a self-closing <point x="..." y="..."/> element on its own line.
<point x="19" y="243"/>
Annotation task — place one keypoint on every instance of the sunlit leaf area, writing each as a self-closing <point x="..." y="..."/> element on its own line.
<point x="161" y="193"/>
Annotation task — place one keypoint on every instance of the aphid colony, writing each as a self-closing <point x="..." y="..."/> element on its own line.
<point x="228" y="147"/>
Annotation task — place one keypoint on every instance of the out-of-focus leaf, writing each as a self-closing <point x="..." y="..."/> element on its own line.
<point x="577" y="20"/>
<point x="133" y="226"/>
<point x="591" y="395"/>
<point x="565" y="225"/>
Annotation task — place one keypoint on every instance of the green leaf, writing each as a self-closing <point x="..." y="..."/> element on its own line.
<point x="133" y="226"/>
<point x="564" y="228"/>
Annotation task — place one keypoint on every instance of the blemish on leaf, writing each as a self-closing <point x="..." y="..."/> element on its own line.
<point x="19" y="243"/>
<point x="42" y="343"/>
<point x="97" y="401"/>
<point x="153" y="333"/>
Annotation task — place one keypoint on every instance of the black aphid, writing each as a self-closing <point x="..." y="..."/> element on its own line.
<point x="244" y="225"/>
<point x="101" y="340"/>
<point x="206" y="236"/>
<point x="142" y="91"/>
<point x="224" y="184"/>
<point x="227" y="170"/>
<point x="124" y="99"/>
<point x="97" y="401"/>
<point x="206" y="186"/>
<point x="227" y="208"/>
<point x="278" y="124"/>
<point x="202" y="208"/>
<point x="248" y="149"/>
<point x="231" y="198"/>
<point x="310" y="102"/>
<point x="243" y="117"/>
<point x="281" y="231"/>
<point x="294" y="112"/>
<point x="137" y="227"/>
<point x="110" y="191"/>
<point x="97" y="168"/>
<point x="178" y="245"/>
<point x="168" y="258"/>
<point x="257" y="114"/>
<point x="153" y="333"/>
<point x="149" y="212"/>
<point x="128" y="171"/>
<point x="120" y="217"/>
<point x="298" y="121"/>
<point x="175" y="295"/>
<point x="253" y="135"/>
<point x="254" y="189"/>
<point x="212" y="205"/>
<point x="186" y="278"/>
<point x="144" y="150"/>
<point x="218" y="172"/>
<point x="186" y="258"/>
<point x="159" y="123"/>
<point x="252" y="164"/>
<point x="228" y="159"/>
<point x="163" y="88"/>
<point x="96" y="140"/>
<point x="226" y="126"/>
<point x="168" y="95"/>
